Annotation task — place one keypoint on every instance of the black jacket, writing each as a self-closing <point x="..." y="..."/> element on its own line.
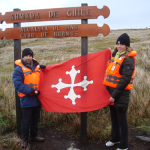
<point x="119" y="93"/>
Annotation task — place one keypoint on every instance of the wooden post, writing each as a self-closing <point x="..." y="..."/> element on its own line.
<point x="84" y="51"/>
<point x="17" y="55"/>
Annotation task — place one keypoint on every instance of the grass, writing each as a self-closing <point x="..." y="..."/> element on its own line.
<point x="51" y="51"/>
<point x="4" y="43"/>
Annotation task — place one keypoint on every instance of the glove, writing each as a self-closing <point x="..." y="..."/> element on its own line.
<point x="35" y="92"/>
<point x="42" y="66"/>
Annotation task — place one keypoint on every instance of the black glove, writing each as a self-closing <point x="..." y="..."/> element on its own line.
<point x="42" y="66"/>
<point x="35" y="92"/>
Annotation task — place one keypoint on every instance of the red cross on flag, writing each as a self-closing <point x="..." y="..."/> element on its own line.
<point x="75" y="85"/>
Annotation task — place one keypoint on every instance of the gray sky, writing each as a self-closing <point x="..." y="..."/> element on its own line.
<point x="123" y="14"/>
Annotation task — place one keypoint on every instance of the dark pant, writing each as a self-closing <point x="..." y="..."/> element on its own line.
<point x="30" y="118"/>
<point x="119" y="131"/>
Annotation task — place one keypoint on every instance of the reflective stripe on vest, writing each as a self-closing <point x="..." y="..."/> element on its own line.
<point x="112" y="76"/>
<point x="31" y="78"/>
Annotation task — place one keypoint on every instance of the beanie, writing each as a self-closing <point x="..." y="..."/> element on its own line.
<point x="123" y="39"/>
<point x="27" y="51"/>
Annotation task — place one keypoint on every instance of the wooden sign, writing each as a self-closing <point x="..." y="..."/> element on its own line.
<point x="71" y="13"/>
<point x="55" y="31"/>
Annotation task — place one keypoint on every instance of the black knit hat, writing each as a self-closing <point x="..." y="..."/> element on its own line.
<point x="123" y="39"/>
<point x="27" y="51"/>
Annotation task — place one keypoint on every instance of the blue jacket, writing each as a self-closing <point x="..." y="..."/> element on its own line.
<point x="18" y="80"/>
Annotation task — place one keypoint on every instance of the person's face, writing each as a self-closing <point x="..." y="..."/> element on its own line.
<point x="121" y="47"/>
<point x="27" y="59"/>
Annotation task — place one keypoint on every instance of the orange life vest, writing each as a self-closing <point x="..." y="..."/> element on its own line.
<point x="112" y="76"/>
<point x="31" y="78"/>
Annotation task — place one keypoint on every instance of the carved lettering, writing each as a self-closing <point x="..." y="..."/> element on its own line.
<point x="21" y="35"/>
<point x="76" y="27"/>
<point x="27" y="35"/>
<point x="37" y="15"/>
<point x="82" y="13"/>
<point x="44" y="34"/>
<point x="28" y="29"/>
<point x="59" y="33"/>
<point x="67" y="27"/>
<point x="32" y="29"/>
<point x="76" y="33"/>
<point x="69" y="13"/>
<point x="88" y="12"/>
<point x="63" y="34"/>
<point x="78" y="12"/>
<point x="67" y="33"/>
<point x="72" y="33"/>
<point x="35" y="28"/>
<point x="21" y="16"/>
<point x="31" y="15"/>
<point x="46" y="29"/>
<point x="71" y="27"/>
<point x="55" y="33"/>
<point x="24" y="29"/>
<point x="56" y="28"/>
<point x="74" y="13"/>
<point x="21" y="30"/>
<point x="32" y="35"/>
<point x="41" y="29"/>
<point x="52" y="14"/>
<point x="16" y="17"/>
<point x="25" y="16"/>
<point x="11" y="17"/>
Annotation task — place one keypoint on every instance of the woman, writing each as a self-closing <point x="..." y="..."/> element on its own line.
<point x="119" y="81"/>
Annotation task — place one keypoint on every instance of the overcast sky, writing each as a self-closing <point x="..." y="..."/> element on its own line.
<point x="123" y="14"/>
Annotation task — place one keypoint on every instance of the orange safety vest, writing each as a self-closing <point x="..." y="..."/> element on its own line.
<point x="31" y="78"/>
<point x="112" y="76"/>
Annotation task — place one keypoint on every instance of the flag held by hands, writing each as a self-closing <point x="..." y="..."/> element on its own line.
<point x="75" y="85"/>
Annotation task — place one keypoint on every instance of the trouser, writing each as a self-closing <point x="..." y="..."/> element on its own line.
<point x="119" y="131"/>
<point x="30" y="118"/>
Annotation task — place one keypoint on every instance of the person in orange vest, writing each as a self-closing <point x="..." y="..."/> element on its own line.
<point x="118" y="79"/>
<point x="26" y="77"/>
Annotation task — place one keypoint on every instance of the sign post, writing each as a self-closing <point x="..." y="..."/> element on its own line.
<point x="84" y="51"/>
<point x="17" y="55"/>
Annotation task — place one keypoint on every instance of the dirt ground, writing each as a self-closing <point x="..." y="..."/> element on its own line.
<point x="58" y="140"/>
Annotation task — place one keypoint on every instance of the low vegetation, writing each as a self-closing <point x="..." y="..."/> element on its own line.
<point x="51" y="51"/>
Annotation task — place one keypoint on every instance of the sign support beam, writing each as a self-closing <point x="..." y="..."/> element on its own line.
<point x="17" y="55"/>
<point x="84" y="51"/>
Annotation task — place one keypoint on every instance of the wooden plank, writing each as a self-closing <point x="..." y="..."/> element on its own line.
<point x="55" y="31"/>
<point x="70" y="13"/>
